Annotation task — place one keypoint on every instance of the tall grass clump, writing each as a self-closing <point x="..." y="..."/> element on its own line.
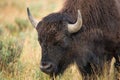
<point x="10" y="51"/>
<point x="21" y="23"/>
<point x="1" y="30"/>
<point x="11" y="28"/>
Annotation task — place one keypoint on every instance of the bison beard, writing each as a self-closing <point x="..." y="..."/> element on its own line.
<point x="90" y="40"/>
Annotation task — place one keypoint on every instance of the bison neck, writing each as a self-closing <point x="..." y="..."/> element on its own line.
<point x="94" y="12"/>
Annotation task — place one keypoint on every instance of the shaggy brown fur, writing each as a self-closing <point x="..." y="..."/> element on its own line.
<point x="94" y="12"/>
<point x="92" y="46"/>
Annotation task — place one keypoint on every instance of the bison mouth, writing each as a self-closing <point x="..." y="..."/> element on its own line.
<point x="57" y="71"/>
<point x="49" y="69"/>
<point x="53" y="70"/>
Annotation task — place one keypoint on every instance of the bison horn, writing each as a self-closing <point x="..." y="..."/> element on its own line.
<point x="32" y="20"/>
<point x="73" y="28"/>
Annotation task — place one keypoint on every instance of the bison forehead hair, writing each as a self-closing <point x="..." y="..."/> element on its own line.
<point x="53" y="25"/>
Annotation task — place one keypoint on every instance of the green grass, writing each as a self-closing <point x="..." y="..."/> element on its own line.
<point x="10" y="50"/>
<point x="1" y="30"/>
<point x="21" y="23"/>
<point x="11" y="28"/>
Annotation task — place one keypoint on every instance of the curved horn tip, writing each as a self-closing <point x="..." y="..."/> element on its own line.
<point x="28" y="11"/>
<point x="33" y="21"/>
<point x="27" y="8"/>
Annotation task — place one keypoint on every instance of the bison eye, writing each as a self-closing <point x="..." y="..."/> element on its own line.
<point x="56" y="43"/>
<point x="39" y="39"/>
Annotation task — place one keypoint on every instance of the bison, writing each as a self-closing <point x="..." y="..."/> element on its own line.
<point x="86" y="32"/>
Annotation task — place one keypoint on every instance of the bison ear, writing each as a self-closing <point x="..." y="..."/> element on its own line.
<point x="73" y="28"/>
<point x="33" y="21"/>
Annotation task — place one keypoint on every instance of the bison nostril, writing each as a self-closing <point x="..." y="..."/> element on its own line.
<point x="45" y="66"/>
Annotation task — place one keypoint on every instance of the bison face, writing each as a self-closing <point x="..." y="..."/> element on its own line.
<point x="54" y="36"/>
<point x="55" y="54"/>
<point x="56" y="44"/>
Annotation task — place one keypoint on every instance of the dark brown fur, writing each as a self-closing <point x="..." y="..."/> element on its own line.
<point x="96" y="42"/>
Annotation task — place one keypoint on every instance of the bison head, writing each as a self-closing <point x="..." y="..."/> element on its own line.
<point x="54" y="36"/>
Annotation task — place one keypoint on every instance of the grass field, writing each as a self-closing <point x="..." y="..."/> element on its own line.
<point x="20" y="52"/>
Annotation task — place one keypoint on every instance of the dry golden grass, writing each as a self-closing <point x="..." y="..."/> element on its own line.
<point x="27" y="67"/>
